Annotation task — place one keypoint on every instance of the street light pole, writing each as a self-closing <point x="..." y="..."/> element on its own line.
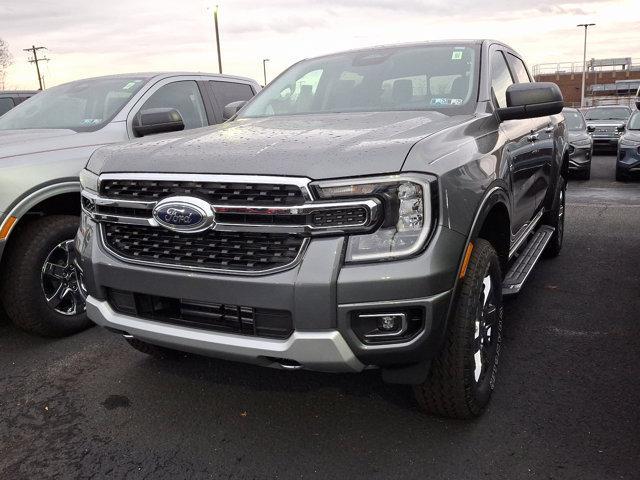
<point x="215" y="21"/>
<point x="584" y="60"/>
<point x="264" y="70"/>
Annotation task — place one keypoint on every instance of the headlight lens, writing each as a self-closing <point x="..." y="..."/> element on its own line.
<point x="89" y="181"/>
<point x="406" y="200"/>
<point x="581" y="143"/>
<point x="625" y="142"/>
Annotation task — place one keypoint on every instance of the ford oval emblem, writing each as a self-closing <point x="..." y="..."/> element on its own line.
<point x="184" y="214"/>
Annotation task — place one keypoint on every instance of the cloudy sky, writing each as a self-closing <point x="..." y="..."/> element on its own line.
<point x="88" y="38"/>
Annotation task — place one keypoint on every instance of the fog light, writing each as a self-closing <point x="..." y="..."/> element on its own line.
<point x="386" y="324"/>
<point x="389" y="323"/>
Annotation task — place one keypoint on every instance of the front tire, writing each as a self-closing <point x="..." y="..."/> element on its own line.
<point x="620" y="177"/>
<point x="42" y="292"/>
<point x="463" y="375"/>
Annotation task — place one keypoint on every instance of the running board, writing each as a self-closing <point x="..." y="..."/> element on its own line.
<point x="523" y="266"/>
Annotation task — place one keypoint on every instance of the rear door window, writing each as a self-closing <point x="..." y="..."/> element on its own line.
<point x="225" y="93"/>
<point x="6" y="104"/>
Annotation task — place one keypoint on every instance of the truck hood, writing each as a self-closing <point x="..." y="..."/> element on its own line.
<point x="315" y="146"/>
<point x="14" y="143"/>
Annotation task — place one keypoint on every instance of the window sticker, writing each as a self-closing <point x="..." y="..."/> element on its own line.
<point x="446" y="101"/>
<point x="456" y="55"/>
<point x="130" y="85"/>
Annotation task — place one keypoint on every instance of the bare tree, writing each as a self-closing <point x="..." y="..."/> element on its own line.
<point x="6" y="59"/>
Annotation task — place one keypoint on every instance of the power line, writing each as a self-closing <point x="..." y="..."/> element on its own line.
<point x="36" y="60"/>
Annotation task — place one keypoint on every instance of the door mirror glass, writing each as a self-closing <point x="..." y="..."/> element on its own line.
<point x="530" y="100"/>
<point x="232" y="108"/>
<point x="157" y="120"/>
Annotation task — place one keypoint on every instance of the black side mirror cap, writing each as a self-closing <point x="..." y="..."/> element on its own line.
<point x="157" y="120"/>
<point x="621" y="128"/>
<point x="232" y="108"/>
<point x="591" y="128"/>
<point x="530" y="100"/>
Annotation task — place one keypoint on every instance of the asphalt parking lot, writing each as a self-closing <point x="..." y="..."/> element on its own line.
<point x="566" y="406"/>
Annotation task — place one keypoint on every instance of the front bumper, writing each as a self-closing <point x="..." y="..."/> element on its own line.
<point x="323" y="351"/>
<point x="606" y="141"/>
<point x="321" y="294"/>
<point x="628" y="161"/>
<point x="580" y="159"/>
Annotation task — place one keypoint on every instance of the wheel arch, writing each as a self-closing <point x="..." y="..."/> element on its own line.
<point x="55" y="198"/>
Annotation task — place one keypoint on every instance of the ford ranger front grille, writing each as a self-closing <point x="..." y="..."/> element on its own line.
<point x="244" y="224"/>
<point x="209" y="250"/>
<point x="220" y="193"/>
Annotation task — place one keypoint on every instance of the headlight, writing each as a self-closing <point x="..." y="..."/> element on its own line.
<point x="582" y="143"/>
<point x="89" y="181"/>
<point x="406" y="201"/>
<point x="625" y="142"/>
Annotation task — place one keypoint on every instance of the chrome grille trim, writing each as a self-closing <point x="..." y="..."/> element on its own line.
<point x="371" y="205"/>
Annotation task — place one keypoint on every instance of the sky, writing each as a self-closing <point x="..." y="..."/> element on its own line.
<point x="88" y="38"/>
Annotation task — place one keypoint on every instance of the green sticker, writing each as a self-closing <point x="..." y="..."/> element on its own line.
<point x="129" y="85"/>
<point x="456" y="55"/>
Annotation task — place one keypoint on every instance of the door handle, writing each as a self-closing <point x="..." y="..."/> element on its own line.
<point x="548" y="130"/>
<point x="533" y="137"/>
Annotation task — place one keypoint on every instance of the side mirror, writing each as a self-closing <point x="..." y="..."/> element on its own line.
<point x="157" y="120"/>
<point x="232" y="108"/>
<point x="530" y="100"/>
<point x="591" y="128"/>
<point x="621" y="128"/>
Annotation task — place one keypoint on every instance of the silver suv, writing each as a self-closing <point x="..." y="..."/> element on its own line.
<point x="45" y="142"/>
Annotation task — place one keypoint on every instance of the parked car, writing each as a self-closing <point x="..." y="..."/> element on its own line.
<point x="46" y="141"/>
<point x="580" y="144"/>
<point x="9" y="99"/>
<point x="628" y="159"/>
<point x="367" y="209"/>
<point x="606" y="124"/>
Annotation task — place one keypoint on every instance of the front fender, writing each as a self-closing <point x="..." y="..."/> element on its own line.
<point x="20" y="206"/>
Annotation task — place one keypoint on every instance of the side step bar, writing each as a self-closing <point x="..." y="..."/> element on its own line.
<point x="522" y="267"/>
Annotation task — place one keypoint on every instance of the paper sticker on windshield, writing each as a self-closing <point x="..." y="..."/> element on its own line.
<point x="91" y="121"/>
<point x="129" y="85"/>
<point x="456" y="55"/>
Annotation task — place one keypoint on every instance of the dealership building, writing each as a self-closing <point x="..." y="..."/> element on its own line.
<point x="609" y="81"/>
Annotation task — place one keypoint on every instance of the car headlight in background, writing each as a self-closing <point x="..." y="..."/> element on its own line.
<point x="625" y="142"/>
<point x="89" y="181"/>
<point x="582" y="143"/>
<point x="406" y="201"/>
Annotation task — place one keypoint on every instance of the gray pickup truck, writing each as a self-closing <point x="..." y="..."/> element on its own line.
<point x="368" y="209"/>
<point x="46" y="141"/>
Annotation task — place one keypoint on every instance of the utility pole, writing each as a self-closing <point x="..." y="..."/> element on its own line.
<point x="36" y="60"/>
<point x="215" y="21"/>
<point x="264" y="70"/>
<point x="584" y="60"/>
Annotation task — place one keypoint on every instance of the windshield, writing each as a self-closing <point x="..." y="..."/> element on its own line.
<point x="83" y="106"/>
<point x="634" y="122"/>
<point x="432" y="77"/>
<point x="574" y="120"/>
<point x="612" y="113"/>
